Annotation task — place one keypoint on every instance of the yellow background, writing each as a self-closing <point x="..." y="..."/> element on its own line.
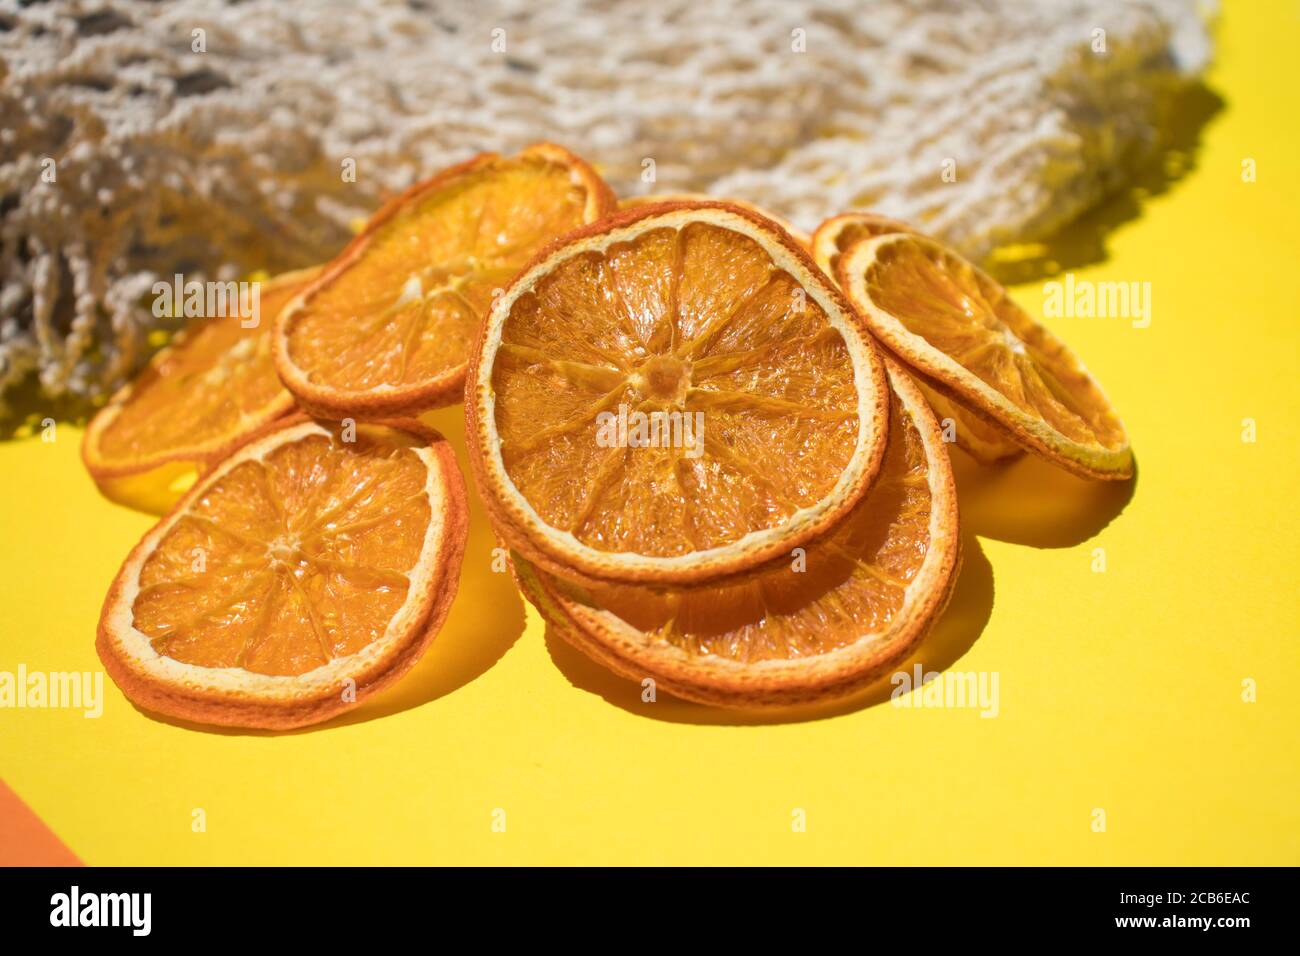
<point x="1119" y="690"/>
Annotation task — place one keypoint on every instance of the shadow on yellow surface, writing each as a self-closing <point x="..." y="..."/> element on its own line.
<point x="961" y="625"/>
<point x="27" y="408"/>
<point x="154" y="492"/>
<point x="1031" y="501"/>
<point x="1083" y="241"/>
<point x="486" y="619"/>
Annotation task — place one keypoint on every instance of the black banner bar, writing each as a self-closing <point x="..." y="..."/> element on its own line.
<point x="335" y="906"/>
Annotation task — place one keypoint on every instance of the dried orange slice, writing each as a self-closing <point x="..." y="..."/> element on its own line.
<point x="770" y="401"/>
<point x="388" y="327"/>
<point x="976" y="436"/>
<point x="636" y="202"/>
<point x="198" y="398"/>
<point x="859" y="602"/>
<point x="961" y="330"/>
<point x="836" y="234"/>
<point x="984" y="442"/>
<point x="302" y="574"/>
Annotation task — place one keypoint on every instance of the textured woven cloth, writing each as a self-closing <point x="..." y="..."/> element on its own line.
<point x="210" y="138"/>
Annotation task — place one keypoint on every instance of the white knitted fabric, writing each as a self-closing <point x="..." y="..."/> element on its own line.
<point x="213" y="163"/>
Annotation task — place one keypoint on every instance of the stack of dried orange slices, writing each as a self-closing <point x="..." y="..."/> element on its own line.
<point x="313" y="560"/>
<point x="709" y="440"/>
<point x="711" y="476"/>
<point x="788" y="528"/>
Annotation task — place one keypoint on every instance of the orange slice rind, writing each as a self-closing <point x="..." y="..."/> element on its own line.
<point x="681" y="308"/>
<point x="973" y="434"/>
<point x="964" y="334"/>
<point x="198" y="398"/>
<point x="304" y="573"/>
<point x="636" y="202"/>
<point x="388" y="327"/>
<point x="865" y="596"/>
<point x="834" y="236"/>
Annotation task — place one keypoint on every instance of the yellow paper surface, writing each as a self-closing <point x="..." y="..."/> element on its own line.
<point x="1120" y="691"/>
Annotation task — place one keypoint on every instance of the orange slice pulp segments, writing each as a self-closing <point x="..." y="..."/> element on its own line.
<point x="859" y="602"/>
<point x="198" y="397"/>
<point x="976" y="436"/>
<point x="388" y="328"/>
<point x="705" y="312"/>
<point x="303" y="562"/>
<point x="959" y="328"/>
<point x="635" y="202"/>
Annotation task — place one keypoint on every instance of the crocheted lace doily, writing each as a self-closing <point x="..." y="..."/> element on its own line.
<point x="988" y="121"/>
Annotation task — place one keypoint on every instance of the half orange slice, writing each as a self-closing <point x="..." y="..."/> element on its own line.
<point x="960" y="329"/>
<point x="388" y="327"/>
<point x="673" y="395"/>
<point x="198" y="398"/>
<point x="304" y="573"/>
<point x="811" y="629"/>
<point x="976" y="436"/>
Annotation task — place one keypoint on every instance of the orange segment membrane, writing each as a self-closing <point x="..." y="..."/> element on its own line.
<point x="853" y="583"/>
<point x="408" y="310"/>
<point x="205" y="388"/>
<point x="698" y="326"/>
<point x="291" y="561"/>
<point x="970" y="318"/>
